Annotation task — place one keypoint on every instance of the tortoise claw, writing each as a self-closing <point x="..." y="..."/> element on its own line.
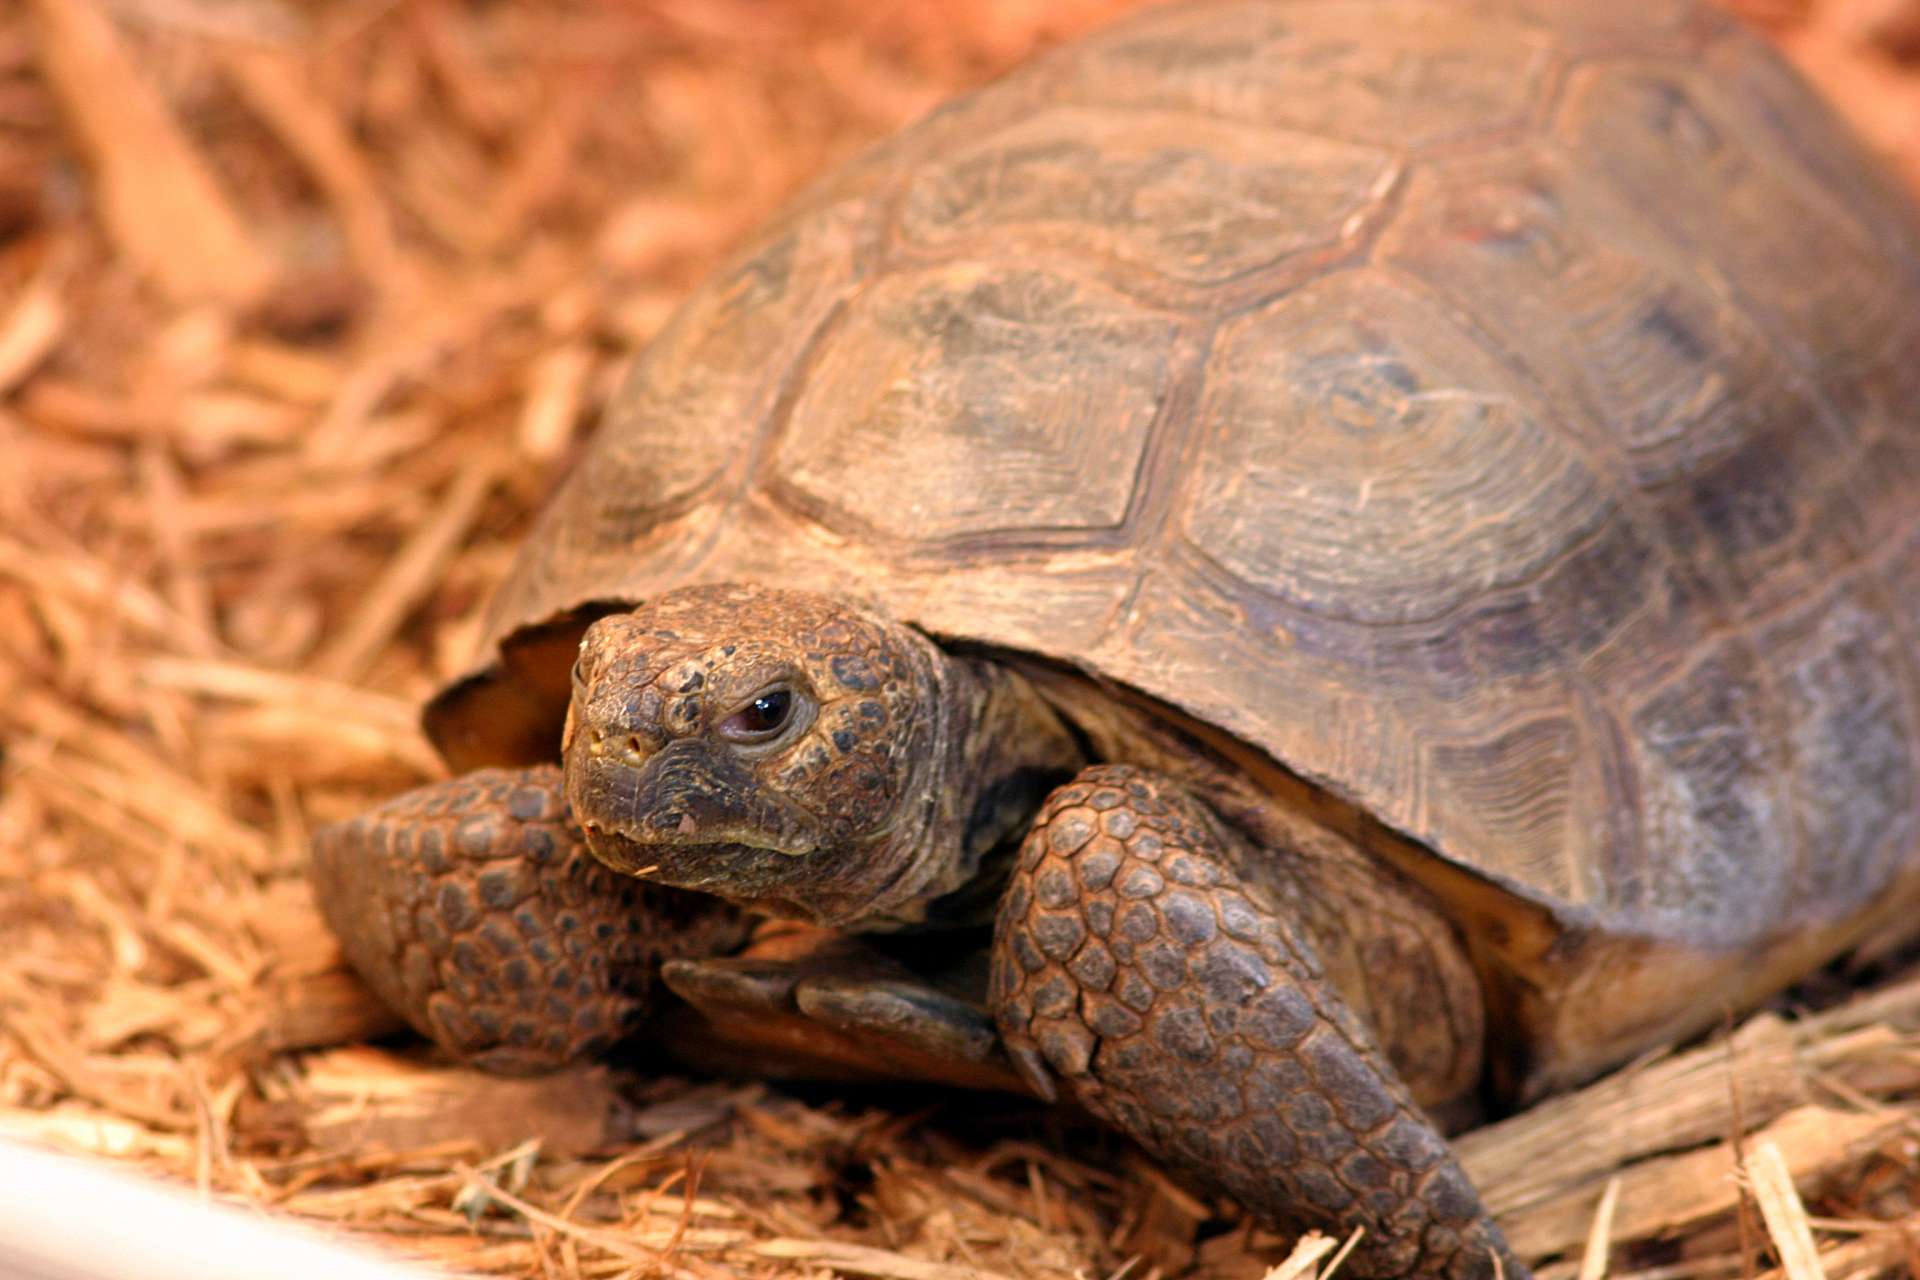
<point x="910" y="1014"/>
<point x="827" y="1007"/>
<point x="744" y="986"/>
<point x="1033" y="1069"/>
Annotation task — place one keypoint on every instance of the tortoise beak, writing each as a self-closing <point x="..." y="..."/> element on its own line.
<point x="685" y="815"/>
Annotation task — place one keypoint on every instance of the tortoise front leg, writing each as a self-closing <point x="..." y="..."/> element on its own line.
<point x="1152" y="958"/>
<point x="474" y="909"/>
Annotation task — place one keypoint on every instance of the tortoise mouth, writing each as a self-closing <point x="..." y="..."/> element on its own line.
<point x="740" y="870"/>
<point x="681" y="818"/>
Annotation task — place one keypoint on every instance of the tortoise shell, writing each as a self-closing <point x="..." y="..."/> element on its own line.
<point x="1500" y="413"/>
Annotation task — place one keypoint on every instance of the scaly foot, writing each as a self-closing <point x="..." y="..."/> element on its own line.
<point x="1146" y="955"/>
<point x="474" y="909"/>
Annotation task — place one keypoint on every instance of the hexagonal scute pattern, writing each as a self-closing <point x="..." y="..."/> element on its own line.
<point x="1197" y="200"/>
<point x="1362" y="458"/>
<point x="1181" y="1005"/>
<point x="962" y="398"/>
<point x="474" y="909"/>
<point x="708" y="367"/>
<point x="1323" y="68"/>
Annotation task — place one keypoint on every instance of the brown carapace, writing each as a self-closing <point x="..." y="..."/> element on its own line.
<point x="1377" y="542"/>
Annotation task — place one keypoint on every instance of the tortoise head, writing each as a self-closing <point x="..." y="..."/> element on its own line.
<point x="781" y="749"/>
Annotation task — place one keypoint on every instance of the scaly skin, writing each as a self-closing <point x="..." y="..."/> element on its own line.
<point x="1144" y="953"/>
<point x="474" y="909"/>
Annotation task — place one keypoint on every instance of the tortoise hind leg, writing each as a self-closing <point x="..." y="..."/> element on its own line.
<point x="473" y="908"/>
<point x="1150" y="957"/>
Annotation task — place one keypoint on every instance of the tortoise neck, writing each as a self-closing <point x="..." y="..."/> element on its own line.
<point x="998" y="748"/>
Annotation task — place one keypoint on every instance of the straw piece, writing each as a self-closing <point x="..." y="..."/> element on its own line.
<point x="537" y="172"/>
<point x="81" y="1128"/>
<point x="37" y="1035"/>
<point x="264" y="725"/>
<point x="1886" y="1249"/>
<point x="262" y="687"/>
<point x="130" y="779"/>
<point x="1351" y="1243"/>
<point x="88" y="583"/>
<point x="186" y="584"/>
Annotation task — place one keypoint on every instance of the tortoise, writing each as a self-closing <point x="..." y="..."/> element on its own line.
<point x="1375" y="543"/>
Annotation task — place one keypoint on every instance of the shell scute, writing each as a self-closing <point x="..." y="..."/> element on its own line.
<point x="1363" y="458"/>
<point x="1323" y="68"/>
<point x="1850" y="731"/>
<point x="989" y="375"/>
<point x="1714" y="812"/>
<point x="1194" y="199"/>
<point x="1747" y="215"/>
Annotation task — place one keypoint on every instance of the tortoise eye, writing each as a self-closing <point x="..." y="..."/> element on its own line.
<point x="761" y="719"/>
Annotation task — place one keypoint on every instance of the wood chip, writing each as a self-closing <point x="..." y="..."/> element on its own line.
<point x="1304" y="1262"/>
<point x="1672" y="1194"/>
<point x="1786" y="1217"/>
<point x="1892" y="1249"/>
<point x="363" y="1098"/>
<point x="29" y="330"/>
<point x="553" y="404"/>
<point x="1677" y="1102"/>
<point x="157" y="195"/>
<point x="410" y="575"/>
<point x="1593" y="1262"/>
<point x="860" y="1260"/>
<point x="276" y="84"/>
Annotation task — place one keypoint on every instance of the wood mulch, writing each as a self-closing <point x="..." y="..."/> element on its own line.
<point x="302" y="307"/>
